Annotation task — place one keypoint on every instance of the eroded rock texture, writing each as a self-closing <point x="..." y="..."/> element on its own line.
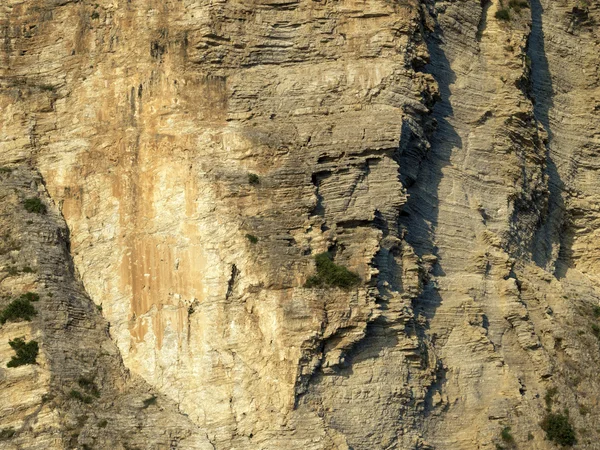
<point x="39" y="403"/>
<point x="202" y="152"/>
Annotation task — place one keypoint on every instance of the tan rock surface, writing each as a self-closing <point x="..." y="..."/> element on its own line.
<point x="462" y="192"/>
<point x="76" y="352"/>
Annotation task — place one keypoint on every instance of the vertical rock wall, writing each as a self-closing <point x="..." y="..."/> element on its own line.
<point x="509" y="302"/>
<point x="203" y="152"/>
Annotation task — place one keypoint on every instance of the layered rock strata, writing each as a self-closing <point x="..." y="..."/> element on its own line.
<point x="79" y="394"/>
<point x="203" y="152"/>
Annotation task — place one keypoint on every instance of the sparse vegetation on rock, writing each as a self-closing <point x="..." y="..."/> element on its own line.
<point x="89" y="385"/>
<point x="6" y="433"/>
<point x="549" y="397"/>
<point x="502" y="14"/>
<point x="518" y="5"/>
<point x="507" y="439"/>
<point x="150" y="401"/>
<point x="19" y="309"/>
<point x="558" y="429"/>
<point x="330" y="274"/>
<point x="26" y="352"/>
<point x="77" y="395"/>
<point x="35" y="205"/>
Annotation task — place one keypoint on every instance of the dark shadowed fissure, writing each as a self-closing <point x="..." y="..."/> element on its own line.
<point x="420" y="214"/>
<point x="552" y="231"/>
<point x="419" y="217"/>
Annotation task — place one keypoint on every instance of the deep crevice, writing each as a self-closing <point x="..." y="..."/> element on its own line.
<point x="552" y="229"/>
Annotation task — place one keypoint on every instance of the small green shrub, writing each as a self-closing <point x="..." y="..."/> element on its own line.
<point x="558" y="429"/>
<point x="89" y="385"/>
<point x="19" y="309"/>
<point x="76" y="395"/>
<point x="253" y="179"/>
<point x="35" y="205"/>
<point x="5" y="170"/>
<point x="503" y="14"/>
<point x="103" y="423"/>
<point x="253" y="239"/>
<point x="95" y="15"/>
<point x="596" y="311"/>
<point x="596" y="330"/>
<point x="8" y="245"/>
<point x="12" y="271"/>
<point x="26" y="352"/>
<point x="27" y="269"/>
<point x="584" y="410"/>
<point x="99" y="308"/>
<point x="518" y="4"/>
<point x="530" y="436"/>
<point x="331" y="274"/>
<point x="81" y="420"/>
<point x="549" y="397"/>
<point x="31" y="296"/>
<point x="507" y="437"/>
<point x="150" y="401"/>
<point x="6" y="433"/>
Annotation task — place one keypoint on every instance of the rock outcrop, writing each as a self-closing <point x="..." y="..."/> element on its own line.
<point x="195" y="156"/>
<point x="79" y="394"/>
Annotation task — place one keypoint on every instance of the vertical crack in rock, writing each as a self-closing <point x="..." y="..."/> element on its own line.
<point x="232" y="281"/>
<point x="505" y="222"/>
<point x="391" y="336"/>
<point x="553" y="232"/>
<point x="481" y="26"/>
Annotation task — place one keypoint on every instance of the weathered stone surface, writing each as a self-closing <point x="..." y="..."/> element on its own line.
<point x="202" y="152"/>
<point x="76" y="352"/>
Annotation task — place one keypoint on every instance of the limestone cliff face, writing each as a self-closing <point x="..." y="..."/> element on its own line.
<point x="201" y="153"/>
<point x="40" y="407"/>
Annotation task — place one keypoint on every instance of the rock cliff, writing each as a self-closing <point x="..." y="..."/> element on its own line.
<point x="170" y="170"/>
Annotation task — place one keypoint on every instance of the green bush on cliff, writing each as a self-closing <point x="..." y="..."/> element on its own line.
<point x="34" y="205"/>
<point x="19" y="309"/>
<point x="7" y="433"/>
<point x="330" y="274"/>
<point x="76" y="395"/>
<point x="150" y="401"/>
<point x="503" y="14"/>
<point x="517" y="5"/>
<point x="508" y="438"/>
<point x="89" y="385"/>
<point x="30" y="296"/>
<point x="549" y="397"/>
<point x="26" y="352"/>
<point x="558" y="429"/>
